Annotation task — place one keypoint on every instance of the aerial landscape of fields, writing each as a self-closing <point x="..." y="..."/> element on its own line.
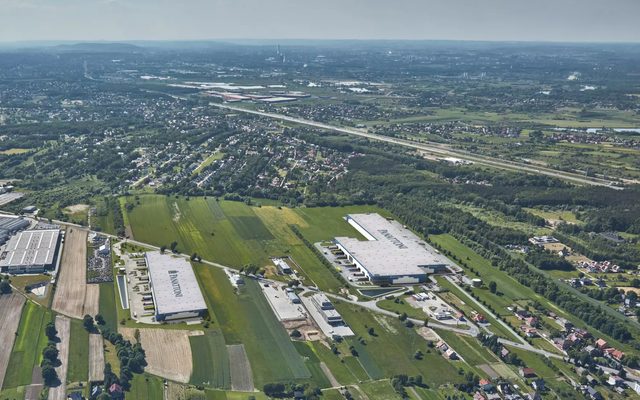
<point x="359" y="209"/>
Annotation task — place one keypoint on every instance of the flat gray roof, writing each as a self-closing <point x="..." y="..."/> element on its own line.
<point x="174" y="284"/>
<point x="36" y="248"/>
<point x="391" y="249"/>
<point x="11" y="224"/>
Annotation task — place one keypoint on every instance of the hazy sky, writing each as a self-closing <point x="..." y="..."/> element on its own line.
<point x="554" y="20"/>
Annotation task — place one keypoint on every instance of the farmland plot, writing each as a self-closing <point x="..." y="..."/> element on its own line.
<point x="168" y="351"/>
<point x="71" y="286"/>
<point x="63" y="326"/>
<point x="10" y="310"/>
<point x="210" y="361"/>
<point x="241" y="379"/>
<point x="96" y="358"/>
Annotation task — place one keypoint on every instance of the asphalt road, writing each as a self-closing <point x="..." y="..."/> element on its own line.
<point x="434" y="148"/>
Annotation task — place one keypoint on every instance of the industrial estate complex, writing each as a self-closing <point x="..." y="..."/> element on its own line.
<point x="32" y="251"/>
<point x="391" y="254"/>
<point x="175" y="289"/>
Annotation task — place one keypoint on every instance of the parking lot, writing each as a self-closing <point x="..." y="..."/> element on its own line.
<point x="348" y="270"/>
<point x="435" y="308"/>
<point x="138" y="289"/>
<point x="284" y="309"/>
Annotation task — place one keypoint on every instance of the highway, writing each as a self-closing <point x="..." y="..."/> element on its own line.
<point x="437" y="149"/>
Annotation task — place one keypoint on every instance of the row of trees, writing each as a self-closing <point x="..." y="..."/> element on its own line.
<point x="131" y="356"/>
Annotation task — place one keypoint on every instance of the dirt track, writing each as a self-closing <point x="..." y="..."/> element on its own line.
<point x="71" y="297"/>
<point x="63" y="325"/>
<point x="10" y="310"/>
<point x="168" y="351"/>
<point x="96" y="358"/>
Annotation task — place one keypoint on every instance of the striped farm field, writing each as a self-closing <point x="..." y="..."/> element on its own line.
<point x="210" y="361"/>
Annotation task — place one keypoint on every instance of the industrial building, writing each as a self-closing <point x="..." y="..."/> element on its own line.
<point x="326" y="309"/>
<point x="31" y="252"/>
<point x="10" y="226"/>
<point x="391" y="254"/>
<point x="174" y="288"/>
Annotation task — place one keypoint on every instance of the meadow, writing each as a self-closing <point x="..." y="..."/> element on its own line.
<point x="390" y="351"/>
<point x="145" y="387"/>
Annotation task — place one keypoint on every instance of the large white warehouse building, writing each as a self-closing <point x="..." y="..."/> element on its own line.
<point x="31" y="252"/>
<point x="174" y="287"/>
<point x="391" y="254"/>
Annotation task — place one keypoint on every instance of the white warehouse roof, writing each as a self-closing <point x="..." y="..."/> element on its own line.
<point x="174" y="284"/>
<point x="31" y="248"/>
<point x="390" y="248"/>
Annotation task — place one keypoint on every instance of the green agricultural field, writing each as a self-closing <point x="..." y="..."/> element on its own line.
<point x="318" y="378"/>
<point x="221" y="395"/>
<point x="391" y="351"/>
<point x="241" y="316"/>
<point x="324" y="223"/>
<point x="78" y="353"/>
<point x="379" y="390"/>
<point x="210" y="361"/>
<point x="200" y="225"/>
<point x="355" y="367"/>
<point x="235" y="234"/>
<point x="339" y="365"/>
<point x="108" y="305"/>
<point x="27" y="348"/>
<point x="145" y="387"/>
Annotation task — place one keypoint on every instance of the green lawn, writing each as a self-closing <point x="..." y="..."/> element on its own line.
<point x="248" y="319"/>
<point x="210" y="361"/>
<point x="78" y="353"/>
<point x="402" y="307"/>
<point x="145" y="387"/>
<point x="27" y="348"/>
